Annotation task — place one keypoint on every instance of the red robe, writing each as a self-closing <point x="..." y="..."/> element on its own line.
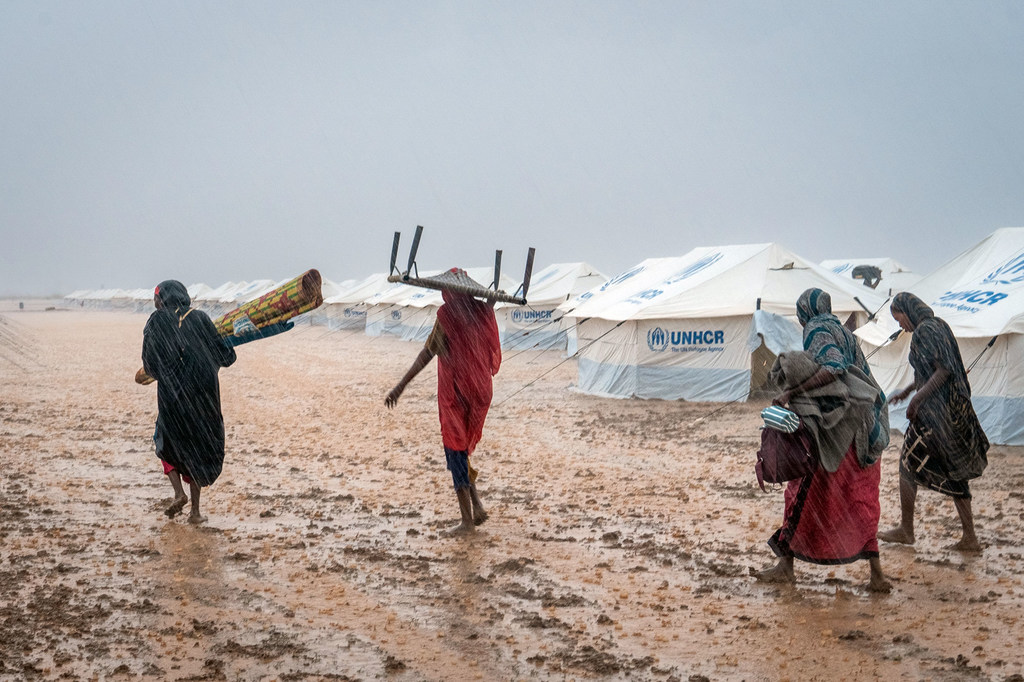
<point x="464" y="371"/>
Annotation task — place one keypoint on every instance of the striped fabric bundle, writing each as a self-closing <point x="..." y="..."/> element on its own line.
<point x="780" y="419"/>
<point x="298" y="296"/>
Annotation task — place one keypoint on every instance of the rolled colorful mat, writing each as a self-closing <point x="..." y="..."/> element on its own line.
<point x="298" y="296"/>
<point x="267" y="315"/>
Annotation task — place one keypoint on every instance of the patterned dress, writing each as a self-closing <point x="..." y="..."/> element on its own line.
<point x="945" y="445"/>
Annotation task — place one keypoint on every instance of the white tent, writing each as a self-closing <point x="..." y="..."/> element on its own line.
<point x="209" y="300"/>
<point x="408" y="312"/>
<point x="346" y="309"/>
<point x="538" y="325"/>
<point x="895" y="276"/>
<point x="329" y="289"/>
<point x="980" y="294"/>
<point x="703" y="326"/>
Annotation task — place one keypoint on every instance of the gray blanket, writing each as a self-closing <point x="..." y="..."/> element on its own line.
<point x="836" y="414"/>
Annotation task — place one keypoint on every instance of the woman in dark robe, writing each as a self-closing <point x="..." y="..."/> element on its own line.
<point x="466" y="343"/>
<point x="182" y="350"/>
<point x="945" y="445"/>
<point x="831" y="517"/>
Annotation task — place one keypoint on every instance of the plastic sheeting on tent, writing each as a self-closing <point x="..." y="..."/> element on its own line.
<point x="689" y="328"/>
<point x="980" y="294"/>
<point x="895" y="277"/>
<point x="408" y="312"/>
<point x="538" y="325"/>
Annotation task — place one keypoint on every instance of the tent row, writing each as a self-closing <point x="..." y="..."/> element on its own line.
<point x="707" y="326"/>
<point x="381" y="308"/>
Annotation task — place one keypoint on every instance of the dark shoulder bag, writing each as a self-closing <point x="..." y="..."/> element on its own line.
<point x="784" y="456"/>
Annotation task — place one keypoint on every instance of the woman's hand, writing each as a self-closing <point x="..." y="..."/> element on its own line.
<point x="392" y="398"/>
<point x="901" y="396"/>
<point x="782" y="399"/>
<point x="912" y="408"/>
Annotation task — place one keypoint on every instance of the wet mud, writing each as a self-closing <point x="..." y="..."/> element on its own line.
<point x="619" y="545"/>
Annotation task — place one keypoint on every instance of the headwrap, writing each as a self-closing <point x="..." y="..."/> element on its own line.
<point x="173" y="294"/>
<point x="914" y="308"/>
<point x="812" y="303"/>
<point x="832" y="344"/>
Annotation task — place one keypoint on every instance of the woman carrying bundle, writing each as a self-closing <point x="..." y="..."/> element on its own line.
<point x="831" y="515"/>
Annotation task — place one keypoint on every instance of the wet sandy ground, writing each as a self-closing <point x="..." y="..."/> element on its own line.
<point x="618" y="546"/>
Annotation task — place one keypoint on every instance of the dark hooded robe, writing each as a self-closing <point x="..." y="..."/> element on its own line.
<point x="182" y="350"/>
<point x="945" y="445"/>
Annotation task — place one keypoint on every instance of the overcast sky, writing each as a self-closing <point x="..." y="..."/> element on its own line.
<point x="214" y="141"/>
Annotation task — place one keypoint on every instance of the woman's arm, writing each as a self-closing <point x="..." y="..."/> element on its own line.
<point x="934" y="383"/>
<point x="822" y="377"/>
<point x="421" y="361"/>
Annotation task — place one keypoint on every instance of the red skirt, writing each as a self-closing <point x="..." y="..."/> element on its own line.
<point x="832" y="518"/>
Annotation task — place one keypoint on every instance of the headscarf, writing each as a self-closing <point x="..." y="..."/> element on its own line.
<point x="914" y="308"/>
<point x="831" y="344"/>
<point x="173" y="294"/>
<point x="812" y="303"/>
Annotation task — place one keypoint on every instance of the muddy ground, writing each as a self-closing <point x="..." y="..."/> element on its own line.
<point x="619" y="543"/>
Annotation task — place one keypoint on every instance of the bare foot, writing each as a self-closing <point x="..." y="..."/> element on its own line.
<point x="196" y="518"/>
<point x="776" y="574"/>
<point x="460" y="530"/>
<point x="479" y="516"/>
<point x="970" y="546"/>
<point x="879" y="585"/>
<point x="176" y="506"/>
<point x="898" y="535"/>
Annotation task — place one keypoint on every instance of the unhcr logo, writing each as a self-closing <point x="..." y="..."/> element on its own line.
<point x="700" y="341"/>
<point x="1009" y="273"/>
<point x="618" y="279"/>
<point x="531" y="315"/>
<point x="396" y="314"/>
<point x="351" y="312"/>
<point x="657" y="339"/>
<point x="695" y="267"/>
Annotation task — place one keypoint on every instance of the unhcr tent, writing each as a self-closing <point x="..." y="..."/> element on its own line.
<point x="347" y="308"/>
<point x="892" y="276"/>
<point x="328" y="289"/>
<point x="209" y="300"/>
<point x="538" y="325"/>
<point x="704" y="326"/>
<point x="980" y="294"/>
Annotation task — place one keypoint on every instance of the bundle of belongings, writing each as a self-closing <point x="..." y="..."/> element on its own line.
<point x="827" y="419"/>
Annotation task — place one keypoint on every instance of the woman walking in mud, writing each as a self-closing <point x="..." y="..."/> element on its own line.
<point x="466" y="343"/>
<point x="831" y="515"/>
<point x="183" y="352"/>
<point x="945" y="445"/>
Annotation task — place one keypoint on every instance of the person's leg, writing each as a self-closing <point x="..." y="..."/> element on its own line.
<point x="179" y="493"/>
<point x="781" y="572"/>
<point x="479" y="513"/>
<point x="903" y="533"/>
<point x="466" y="511"/>
<point x="877" y="582"/>
<point x="969" y="541"/>
<point x="458" y="464"/>
<point x="195" y="516"/>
